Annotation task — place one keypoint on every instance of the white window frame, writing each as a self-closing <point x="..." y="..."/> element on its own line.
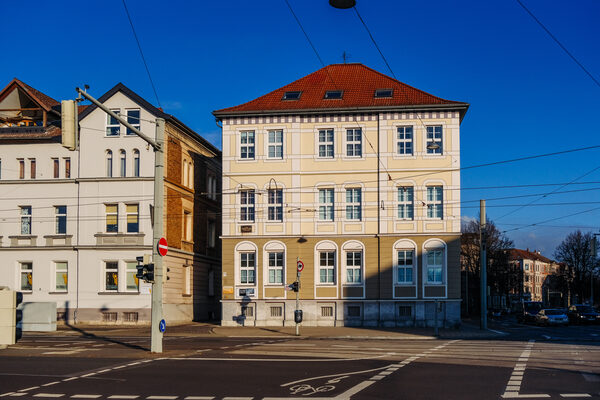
<point x="404" y="142"/>
<point x="439" y="255"/>
<point x="61" y="274"/>
<point x="109" y="163"/>
<point x="136" y="163"/>
<point x="275" y="143"/>
<point x="327" y="264"/>
<point x="113" y="270"/>
<point x="273" y="266"/>
<point x="135" y="121"/>
<point x="187" y="225"/>
<point x="354" y="148"/>
<point x="247" y="205"/>
<point x="58" y="217"/>
<point x="245" y="257"/>
<point x="353" y="267"/>
<point x="247" y="148"/>
<point x="26" y="219"/>
<point x="26" y="268"/>
<point x="122" y="163"/>
<point x="135" y="214"/>
<point x="131" y="270"/>
<point x="406" y="203"/>
<point x="326" y="143"/>
<point x="112" y="123"/>
<point x="353" y="204"/>
<point x="275" y="205"/>
<point x="326" y="207"/>
<point x="434" y="199"/>
<point x="435" y="134"/>
<point x="405" y="266"/>
<point x="108" y="214"/>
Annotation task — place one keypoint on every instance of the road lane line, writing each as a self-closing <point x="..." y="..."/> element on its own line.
<point x="7" y="394"/>
<point x="51" y="395"/>
<point x="162" y="397"/>
<point x="51" y="383"/>
<point x="86" y="396"/>
<point x="199" y="398"/>
<point x="70" y="379"/>
<point x="18" y="394"/>
<point x="123" y="396"/>
<point x="575" y="395"/>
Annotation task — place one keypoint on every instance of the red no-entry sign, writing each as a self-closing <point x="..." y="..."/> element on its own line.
<point x="162" y="246"/>
<point x="300" y="266"/>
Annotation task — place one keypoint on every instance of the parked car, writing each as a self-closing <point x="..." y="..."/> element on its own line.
<point x="529" y="310"/>
<point x="583" y="314"/>
<point x="551" y="316"/>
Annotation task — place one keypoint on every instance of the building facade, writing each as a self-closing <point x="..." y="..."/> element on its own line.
<point x="75" y="221"/>
<point x="535" y="269"/>
<point x="356" y="175"/>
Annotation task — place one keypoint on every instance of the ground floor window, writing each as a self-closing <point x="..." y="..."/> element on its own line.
<point x="26" y="276"/>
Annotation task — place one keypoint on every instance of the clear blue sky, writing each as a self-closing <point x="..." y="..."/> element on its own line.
<point x="527" y="96"/>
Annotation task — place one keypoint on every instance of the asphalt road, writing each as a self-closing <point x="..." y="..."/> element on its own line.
<point x="522" y="362"/>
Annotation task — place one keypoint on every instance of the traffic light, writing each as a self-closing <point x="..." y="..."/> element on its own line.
<point x="10" y="317"/>
<point x="69" y="124"/>
<point x="295" y="286"/>
<point x="145" y="269"/>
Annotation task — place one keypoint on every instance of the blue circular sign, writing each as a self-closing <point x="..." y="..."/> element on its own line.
<point x="162" y="325"/>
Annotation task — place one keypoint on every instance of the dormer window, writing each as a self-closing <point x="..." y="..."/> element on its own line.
<point x="333" y="94"/>
<point x="383" y="93"/>
<point x="291" y="95"/>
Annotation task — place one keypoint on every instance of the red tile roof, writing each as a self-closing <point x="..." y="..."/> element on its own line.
<point x="358" y="83"/>
<point x="518" y="254"/>
<point x="42" y="99"/>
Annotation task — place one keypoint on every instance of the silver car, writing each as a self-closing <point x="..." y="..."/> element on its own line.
<point x="551" y="316"/>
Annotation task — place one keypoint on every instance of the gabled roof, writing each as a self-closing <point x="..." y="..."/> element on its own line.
<point x="358" y="83"/>
<point x="518" y="254"/>
<point x="45" y="101"/>
<point x="158" y="113"/>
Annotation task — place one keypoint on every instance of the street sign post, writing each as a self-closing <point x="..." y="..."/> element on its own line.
<point x="162" y="246"/>
<point x="300" y="266"/>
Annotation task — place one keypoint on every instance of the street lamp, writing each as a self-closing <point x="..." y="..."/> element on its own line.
<point x="342" y="4"/>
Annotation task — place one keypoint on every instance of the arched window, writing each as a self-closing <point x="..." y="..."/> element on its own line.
<point x="353" y="262"/>
<point x="246" y="263"/>
<point x="274" y="261"/>
<point x="405" y="262"/>
<point x="123" y="157"/>
<point x="434" y="262"/>
<point x="109" y="163"/>
<point x="326" y="262"/>
<point x="136" y="163"/>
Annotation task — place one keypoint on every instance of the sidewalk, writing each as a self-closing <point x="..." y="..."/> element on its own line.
<point x="468" y="330"/>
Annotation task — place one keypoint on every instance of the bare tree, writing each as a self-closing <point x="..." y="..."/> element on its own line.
<point x="576" y="252"/>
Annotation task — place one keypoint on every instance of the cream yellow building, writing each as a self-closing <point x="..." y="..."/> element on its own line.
<point x="356" y="175"/>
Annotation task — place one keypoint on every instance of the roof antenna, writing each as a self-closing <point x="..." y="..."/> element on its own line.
<point x="345" y="57"/>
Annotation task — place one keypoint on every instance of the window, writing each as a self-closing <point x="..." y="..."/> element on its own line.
<point x="327" y="267"/>
<point x="55" y="167"/>
<point x="354" y="267"/>
<point x="405" y="266"/>
<point x="130" y="272"/>
<point x="25" y="220"/>
<point x="67" y="167"/>
<point x="123" y="169"/>
<point x="61" y="275"/>
<point x="211" y="187"/>
<point x="247" y="145"/>
<point x="112" y="218"/>
<point x="32" y="165"/>
<point x="26" y="276"/>
<point x="383" y="93"/>
<point x="21" y="168"/>
<point x="405" y="202"/>
<point x="353" y="204"/>
<point x="275" y="268"/>
<point x="247" y="268"/>
<point x="326" y="143"/>
<point x="0" y="168"/>
<point x="187" y="225"/>
<point x="354" y="142"/>
<point x="212" y="234"/>
<point x="275" y="210"/>
<point x="276" y="311"/>
<point x="405" y="140"/>
<point x="276" y="144"/>
<point x="187" y="281"/>
<point x="111" y="274"/>
<point x="61" y="219"/>
<point x="434" y="266"/>
<point x="133" y="217"/>
<point x="434" y="136"/>
<point x="326" y="204"/>
<point x="133" y="118"/>
<point x="109" y="163"/>
<point x="434" y="202"/>
<point x="136" y="163"/>
<point x="291" y="95"/>
<point x="333" y="94"/>
<point x="247" y="205"/>
<point x="113" y="127"/>
<point x="526" y="267"/>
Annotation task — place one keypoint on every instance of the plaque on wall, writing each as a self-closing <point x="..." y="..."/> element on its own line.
<point x="246" y="228"/>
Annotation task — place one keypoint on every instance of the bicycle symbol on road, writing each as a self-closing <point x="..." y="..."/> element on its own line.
<point x="298" y="389"/>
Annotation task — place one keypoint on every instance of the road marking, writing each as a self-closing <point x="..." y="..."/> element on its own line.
<point x="498" y="332"/>
<point x="574" y="395"/>
<point x="86" y="396"/>
<point x="524" y="396"/>
<point x="90" y="374"/>
<point x="513" y="387"/>
<point x="161" y="397"/>
<point x="238" y="398"/>
<point x="70" y="379"/>
<point x="310" y="360"/>
<point x="18" y="394"/>
<point x="105" y="370"/>
<point x="199" y="398"/>
<point x="52" y="395"/>
<point x="123" y="396"/>
<point x="51" y="383"/>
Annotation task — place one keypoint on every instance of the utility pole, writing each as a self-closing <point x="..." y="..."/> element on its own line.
<point x="482" y="243"/>
<point x="595" y="255"/>
<point x="157" y="145"/>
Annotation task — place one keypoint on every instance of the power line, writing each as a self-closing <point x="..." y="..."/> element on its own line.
<point x="374" y="42"/>
<point x="552" y="219"/>
<point x="559" y="43"/>
<point x="141" y="53"/>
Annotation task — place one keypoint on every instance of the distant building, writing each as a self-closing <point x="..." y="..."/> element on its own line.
<point x="354" y="174"/>
<point x="73" y="222"/>
<point x="535" y="270"/>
